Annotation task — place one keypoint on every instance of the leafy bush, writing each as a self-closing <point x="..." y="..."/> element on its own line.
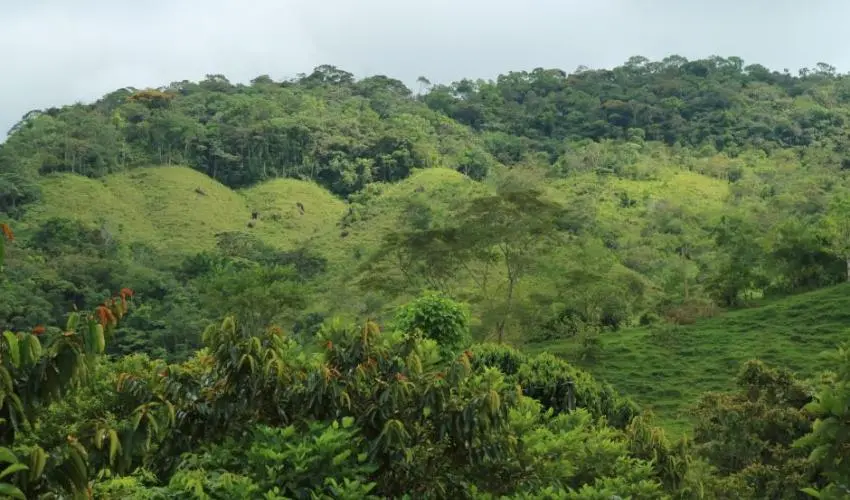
<point x="506" y="358"/>
<point x="551" y="380"/>
<point x="436" y="317"/>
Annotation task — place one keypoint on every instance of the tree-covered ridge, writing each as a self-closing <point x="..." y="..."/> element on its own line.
<point x="345" y="133"/>
<point x="325" y="127"/>
<point x="717" y="101"/>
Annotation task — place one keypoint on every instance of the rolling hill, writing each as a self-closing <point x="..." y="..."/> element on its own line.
<point x="180" y="210"/>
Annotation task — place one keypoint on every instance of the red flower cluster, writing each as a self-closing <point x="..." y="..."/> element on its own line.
<point x="104" y="315"/>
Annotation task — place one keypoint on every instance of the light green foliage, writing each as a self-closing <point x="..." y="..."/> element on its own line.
<point x="329" y="461"/>
<point x="829" y="439"/>
<point x="837" y="227"/>
<point x="591" y="457"/>
<point x="436" y="317"/>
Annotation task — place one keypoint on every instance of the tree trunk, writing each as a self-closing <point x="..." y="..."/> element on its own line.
<point x="508" y="303"/>
<point x="847" y="260"/>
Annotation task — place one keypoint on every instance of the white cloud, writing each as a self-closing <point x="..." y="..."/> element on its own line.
<point x="57" y="52"/>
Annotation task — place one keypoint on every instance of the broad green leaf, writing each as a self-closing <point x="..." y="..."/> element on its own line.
<point x="34" y="345"/>
<point x="73" y="321"/>
<point x="114" y="445"/>
<point x="7" y="456"/>
<point x="38" y="459"/>
<point x="13" y="469"/>
<point x="12" y="340"/>
<point x="11" y="491"/>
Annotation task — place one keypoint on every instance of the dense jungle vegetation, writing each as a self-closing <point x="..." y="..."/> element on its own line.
<point x="616" y="283"/>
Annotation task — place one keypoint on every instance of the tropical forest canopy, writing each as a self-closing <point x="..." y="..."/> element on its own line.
<point x="613" y="283"/>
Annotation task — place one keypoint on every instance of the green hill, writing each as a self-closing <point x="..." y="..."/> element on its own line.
<point x="666" y="369"/>
<point x="180" y="210"/>
<point x="171" y="208"/>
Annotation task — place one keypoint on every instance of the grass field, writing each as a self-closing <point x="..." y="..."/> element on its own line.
<point x="180" y="210"/>
<point x="667" y="373"/>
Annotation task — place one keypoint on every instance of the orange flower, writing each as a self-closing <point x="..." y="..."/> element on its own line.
<point x="7" y="231"/>
<point x="329" y="345"/>
<point x="127" y="292"/>
<point x="38" y="330"/>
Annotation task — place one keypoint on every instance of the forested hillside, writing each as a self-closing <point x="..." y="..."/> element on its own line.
<point x="308" y="288"/>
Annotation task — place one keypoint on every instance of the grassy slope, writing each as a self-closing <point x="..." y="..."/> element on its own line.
<point x="667" y="375"/>
<point x="159" y="206"/>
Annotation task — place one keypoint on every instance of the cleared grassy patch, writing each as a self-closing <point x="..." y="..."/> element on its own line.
<point x="282" y="222"/>
<point x="180" y="210"/>
<point x="162" y="206"/>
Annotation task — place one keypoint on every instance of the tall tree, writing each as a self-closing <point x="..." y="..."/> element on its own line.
<point x="517" y="224"/>
<point x="836" y="227"/>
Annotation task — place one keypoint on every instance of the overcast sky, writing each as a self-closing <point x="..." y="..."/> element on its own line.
<point x="55" y="52"/>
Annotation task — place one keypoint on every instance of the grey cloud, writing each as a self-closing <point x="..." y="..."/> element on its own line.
<point x="58" y="52"/>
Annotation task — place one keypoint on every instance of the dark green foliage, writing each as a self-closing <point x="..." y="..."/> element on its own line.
<point x="17" y="189"/>
<point x="750" y="434"/>
<point x="241" y="246"/>
<point x="506" y="358"/>
<point x="546" y="378"/>
<point x="241" y="135"/>
<point x="308" y="324"/>
<point x="672" y="100"/>
<point x="56" y="237"/>
<point x="551" y="381"/>
<point x="256" y="295"/>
